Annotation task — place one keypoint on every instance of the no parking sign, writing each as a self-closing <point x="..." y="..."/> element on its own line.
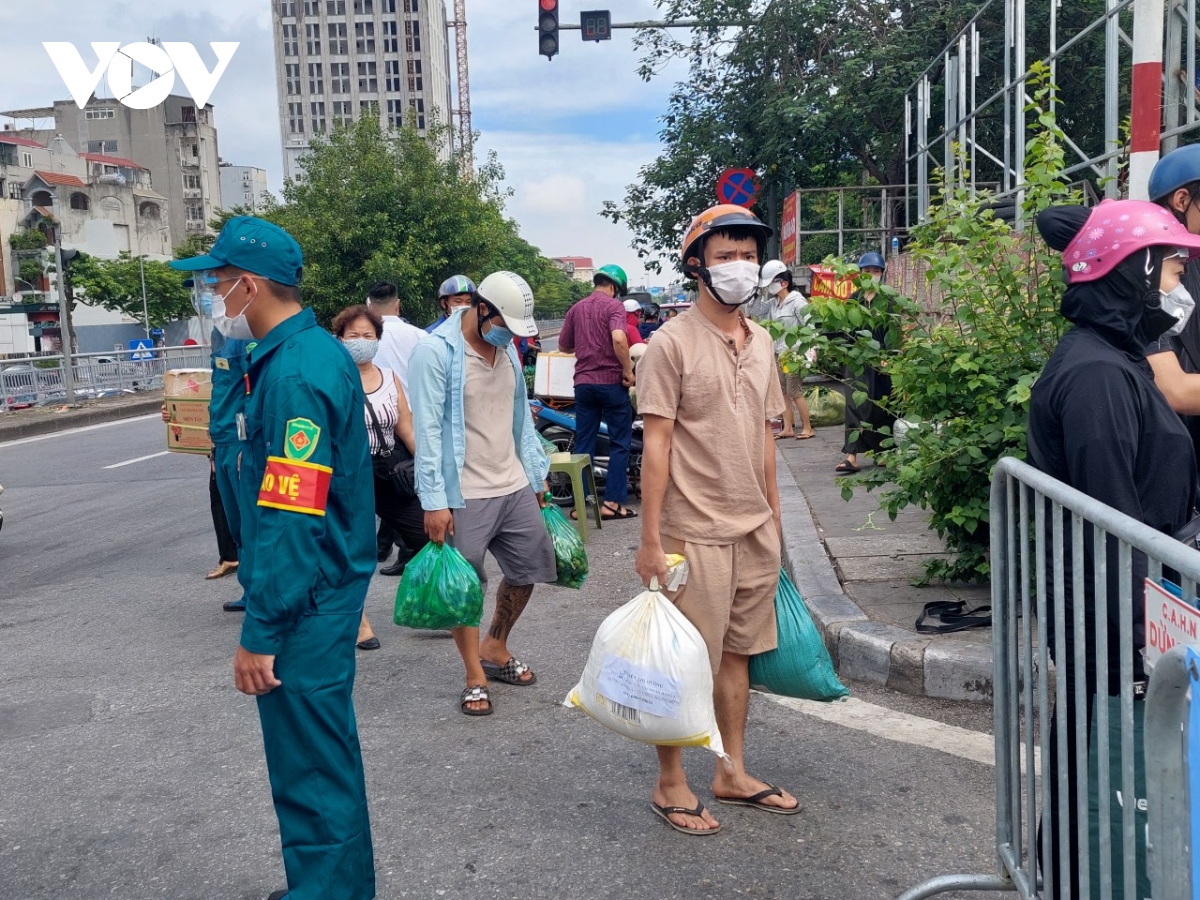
<point x="737" y="186"/>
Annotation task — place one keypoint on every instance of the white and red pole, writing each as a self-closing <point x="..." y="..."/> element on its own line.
<point x="1146" y="93"/>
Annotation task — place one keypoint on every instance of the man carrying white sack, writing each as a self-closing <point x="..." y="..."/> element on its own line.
<point x="707" y="392"/>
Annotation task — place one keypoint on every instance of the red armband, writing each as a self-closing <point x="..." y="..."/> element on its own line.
<point x="301" y="487"/>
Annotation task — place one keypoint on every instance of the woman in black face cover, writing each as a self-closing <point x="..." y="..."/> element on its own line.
<point x="1098" y="423"/>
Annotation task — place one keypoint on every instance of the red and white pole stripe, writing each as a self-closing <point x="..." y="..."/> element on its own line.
<point x="1146" y="91"/>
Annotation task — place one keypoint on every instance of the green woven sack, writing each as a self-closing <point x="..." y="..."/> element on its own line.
<point x="800" y="666"/>
<point x="439" y="590"/>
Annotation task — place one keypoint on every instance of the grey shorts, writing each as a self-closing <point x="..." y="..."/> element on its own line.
<point x="511" y="527"/>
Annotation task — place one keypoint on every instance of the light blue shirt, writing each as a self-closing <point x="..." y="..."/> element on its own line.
<point x="437" y="379"/>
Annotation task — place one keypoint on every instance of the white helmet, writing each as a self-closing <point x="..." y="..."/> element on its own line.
<point x="632" y="306"/>
<point x="772" y="270"/>
<point x="510" y="295"/>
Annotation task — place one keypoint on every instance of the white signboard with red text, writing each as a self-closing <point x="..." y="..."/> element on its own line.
<point x="1169" y="621"/>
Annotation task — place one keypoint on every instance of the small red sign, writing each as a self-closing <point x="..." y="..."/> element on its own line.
<point x="737" y="186"/>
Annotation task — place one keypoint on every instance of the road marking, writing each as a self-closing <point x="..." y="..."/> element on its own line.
<point x="130" y="462"/>
<point x="45" y="437"/>
<point x="898" y="726"/>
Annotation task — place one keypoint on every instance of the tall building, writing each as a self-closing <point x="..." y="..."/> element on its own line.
<point x="175" y="141"/>
<point x="337" y="60"/>
<point x="243" y="186"/>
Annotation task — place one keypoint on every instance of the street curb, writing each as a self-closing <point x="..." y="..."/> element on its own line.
<point x="78" y="418"/>
<point x="862" y="649"/>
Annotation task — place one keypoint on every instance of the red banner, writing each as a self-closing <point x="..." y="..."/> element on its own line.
<point x="789" y="245"/>
<point x="826" y="283"/>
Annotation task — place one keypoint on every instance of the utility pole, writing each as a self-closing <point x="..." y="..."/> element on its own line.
<point x="64" y="318"/>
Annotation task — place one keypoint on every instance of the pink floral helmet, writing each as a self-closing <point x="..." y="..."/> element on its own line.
<point x="1115" y="230"/>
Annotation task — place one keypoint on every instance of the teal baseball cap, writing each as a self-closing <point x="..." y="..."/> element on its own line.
<point x="253" y="245"/>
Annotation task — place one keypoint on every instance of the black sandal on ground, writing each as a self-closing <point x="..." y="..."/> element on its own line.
<point x="509" y="673"/>
<point x="845" y="467"/>
<point x="756" y="802"/>
<point x="664" y="812"/>
<point x="616" y="511"/>
<point x="477" y="693"/>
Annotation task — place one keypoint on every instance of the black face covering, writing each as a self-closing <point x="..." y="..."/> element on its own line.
<point x="1125" y="306"/>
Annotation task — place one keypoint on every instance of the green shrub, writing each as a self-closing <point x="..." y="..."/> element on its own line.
<point x="965" y="375"/>
<point x="27" y="239"/>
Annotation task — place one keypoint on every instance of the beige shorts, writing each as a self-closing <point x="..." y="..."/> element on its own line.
<point x="792" y="385"/>
<point x="730" y="591"/>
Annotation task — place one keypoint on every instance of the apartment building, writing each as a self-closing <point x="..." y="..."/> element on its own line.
<point x="244" y="186"/>
<point x="338" y="60"/>
<point x="175" y="141"/>
<point x="103" y="205"/>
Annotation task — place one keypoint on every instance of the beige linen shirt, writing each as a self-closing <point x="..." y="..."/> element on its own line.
<point x="720" y="400"/>
<point x="491" y="465"/>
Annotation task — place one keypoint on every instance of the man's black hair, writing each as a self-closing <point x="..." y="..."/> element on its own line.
<point x="734" y="233"/>
<point x="383" y="292"/>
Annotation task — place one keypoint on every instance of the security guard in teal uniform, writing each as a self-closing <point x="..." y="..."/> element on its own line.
<point x="308" y="544"/>
<point x="226" y="425"/>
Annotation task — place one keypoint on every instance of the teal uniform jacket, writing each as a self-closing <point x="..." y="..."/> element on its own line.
<point x="308" y="554"/>
<point x="229" y="364"/>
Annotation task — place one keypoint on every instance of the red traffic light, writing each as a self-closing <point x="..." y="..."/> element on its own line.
<point x="548" y="28"/>
<point x="550" y="5"/>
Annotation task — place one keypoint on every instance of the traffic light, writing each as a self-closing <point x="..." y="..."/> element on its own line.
<point x="548" y="28"/>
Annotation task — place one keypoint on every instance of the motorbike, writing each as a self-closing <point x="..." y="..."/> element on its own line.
<point x="558" y="427"/>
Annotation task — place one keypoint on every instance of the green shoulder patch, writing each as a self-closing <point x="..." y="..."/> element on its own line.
<point x="300" y="439"/>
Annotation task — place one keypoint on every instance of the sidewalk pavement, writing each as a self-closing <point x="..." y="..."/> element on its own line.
<point x="23" y="423"/>
<point x="855" y="569"/>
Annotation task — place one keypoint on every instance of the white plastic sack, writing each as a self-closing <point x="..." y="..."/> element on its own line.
<point x="648" y="677"/>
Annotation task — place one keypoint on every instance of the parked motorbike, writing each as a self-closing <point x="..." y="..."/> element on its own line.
<point x="558" y="427"/>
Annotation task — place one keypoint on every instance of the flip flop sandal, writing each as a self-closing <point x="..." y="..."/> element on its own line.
<point x="804" y="437"/>
<point x="756" y="802"/>
<point x="475" y="694"/>
<point x="664" y="812"/>
<point x="616" y="513"/>
<point x="846" y="468"/>
<point x="778" y="436"/>
<point x="225" y="568"/>
<point x="509" y="673"/>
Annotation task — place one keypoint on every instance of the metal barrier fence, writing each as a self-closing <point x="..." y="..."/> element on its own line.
<point x="38" y="380"/>
<point x="1068" y="686"/>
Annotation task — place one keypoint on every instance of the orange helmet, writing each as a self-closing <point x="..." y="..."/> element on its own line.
<point x="715" y="218"/>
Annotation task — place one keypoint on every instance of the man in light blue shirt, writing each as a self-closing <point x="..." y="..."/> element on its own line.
<point x="480" y="468"/>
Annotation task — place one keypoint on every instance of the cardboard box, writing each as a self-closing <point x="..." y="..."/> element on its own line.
<point x="554" y="376"/>
<point x="188" y="384"/>
<point x="188" y="438"/>
<point x="187" y="412"/>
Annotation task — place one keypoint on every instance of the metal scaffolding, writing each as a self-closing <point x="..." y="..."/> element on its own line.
<point x="980" y="80"/>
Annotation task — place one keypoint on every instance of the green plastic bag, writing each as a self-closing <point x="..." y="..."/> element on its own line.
<point x="569" y="555"/>
<point x="439" y="590"/>
<point x="800" y="666"/>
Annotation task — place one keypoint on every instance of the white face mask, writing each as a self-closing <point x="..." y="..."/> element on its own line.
<point x="733" y="283"/>
<point x="1178" y="303"/>
<point x="237" y="328"/>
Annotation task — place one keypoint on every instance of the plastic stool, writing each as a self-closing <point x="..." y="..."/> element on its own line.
<point x="577" y="465"/>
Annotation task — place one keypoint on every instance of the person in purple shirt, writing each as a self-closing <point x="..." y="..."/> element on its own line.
<point x="594" y="331"/>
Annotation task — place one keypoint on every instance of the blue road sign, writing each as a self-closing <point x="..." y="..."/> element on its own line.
<point x="737" y="186"/>
<point x="143" y="348"/>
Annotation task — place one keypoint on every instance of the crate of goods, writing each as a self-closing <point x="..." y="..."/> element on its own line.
<point x="186" y="396"/>
<point x="188" y="384"/>
<point x="554" y="376"/>
<point x="188" y="438"/>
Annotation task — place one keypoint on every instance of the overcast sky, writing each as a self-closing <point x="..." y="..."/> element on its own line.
<point x="570" y="133"/>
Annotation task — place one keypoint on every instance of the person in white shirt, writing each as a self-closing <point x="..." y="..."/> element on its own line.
<point x="396" y="346"/>
<point x="400" y="338"/>
<point x="787" y="308"/>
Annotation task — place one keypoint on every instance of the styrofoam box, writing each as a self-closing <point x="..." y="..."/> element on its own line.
<point x="554" y="376"/>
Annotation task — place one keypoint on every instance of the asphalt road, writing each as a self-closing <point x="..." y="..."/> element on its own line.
<point x="130" y="768"/>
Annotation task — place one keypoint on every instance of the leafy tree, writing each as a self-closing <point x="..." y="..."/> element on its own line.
<point x="116" y="284"/>
<point x="811" y="93"/>
<point x="380" y="205"/>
